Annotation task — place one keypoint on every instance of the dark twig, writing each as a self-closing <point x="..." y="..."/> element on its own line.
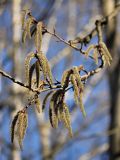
<point x="103" y="21"/>
<point x="54" y="86"/>
<point x="16" y="81"/>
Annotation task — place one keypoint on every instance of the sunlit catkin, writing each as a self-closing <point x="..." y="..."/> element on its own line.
<point x="106" y="53"/>
<point x="67" y="119"/>
<point x="45" y="100"/>
<point x="45" y="67"/>
<point x="38" y="69"/>
<point x="52" y="115"/>
<point x="37" y="103"/>
<point x="28" y="59"/>
<point x="38" y="36"/>
<point x="13" y="127"/>
<point x="65" y="78"/>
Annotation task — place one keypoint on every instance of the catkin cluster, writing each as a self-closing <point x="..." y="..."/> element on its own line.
<point x="32" y="28"/>
<point x="38" y="75"/>
<point x="58" y="109"/>
<point x="74" y="77"/>
<point x="101" y="51"/>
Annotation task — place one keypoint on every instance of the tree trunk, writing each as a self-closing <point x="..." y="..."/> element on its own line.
<point x="16" y="19"/>
<point x="112" y="40"/>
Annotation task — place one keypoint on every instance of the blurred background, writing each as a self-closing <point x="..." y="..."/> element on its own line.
<point x="96" y="137"/>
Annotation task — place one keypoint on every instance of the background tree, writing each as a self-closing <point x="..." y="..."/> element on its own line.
<point x="112" y="38"/>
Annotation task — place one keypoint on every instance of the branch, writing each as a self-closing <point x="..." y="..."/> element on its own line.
<point x="103" y="21"/>
<point x="95" y="151"/>
<point x="55" y="85"/>
<point x="4" y="74"/>
<point x="62" y="39"/>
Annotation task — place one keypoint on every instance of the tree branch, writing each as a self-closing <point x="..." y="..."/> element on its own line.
<point x="103" y="21"/>
<point x="55" y="85"/>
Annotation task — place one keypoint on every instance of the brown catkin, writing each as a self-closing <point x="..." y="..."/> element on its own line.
<point x="13" y="127"/>
<point x="31" y="70"/>
<point x="65" y="78"/>
<point x="74" y="83"/>
<point x="38" y="36"/>
<point x="107" y="56"/>
<point x="81" y="105"/>
<point x="28" y="59"/>
<point x="45" y="67"/>
<point x="52" y="115"/>
<point x="21" y="126"/>
<point x="23" y="17"/>
<point x="29" y="23"/>
<point x="55" y="103"/>
<point x="37" y="103"/>
<point x="77" y="76"/>
<point x="78" y="79"/>
<point x="24" y="35"/>
<point x="27" y="27"/>
<point x="78" y="90"/>
<point x="37" y="68"/>
<point x="45" y="100"/>
<point x="67" y="117"/>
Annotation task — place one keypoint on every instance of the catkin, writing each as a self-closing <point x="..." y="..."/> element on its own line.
<point x="28" y="59"/>
<point x="13" y="127"/>
<point x="78" y="89"/>
<point x="29" y="22"/>
<point x="45" y="67"/>
<point x="37" y="68"/>
<point x="65" y="78"/>
<point x="52" y="115"/>
<point x="107" y="58"/>
<point x="37" y="103"/>
<point x="38" y="36"/>
<point x="22" y="122"/>
<point x="31" y="70"/>
<point x="27" y="28"/>
<point x="45" y="100"/>
<point x="67" y="119"/>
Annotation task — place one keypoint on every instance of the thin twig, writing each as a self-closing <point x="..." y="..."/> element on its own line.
<point x="103" y="21"/>
<point x="54" y="86"/>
